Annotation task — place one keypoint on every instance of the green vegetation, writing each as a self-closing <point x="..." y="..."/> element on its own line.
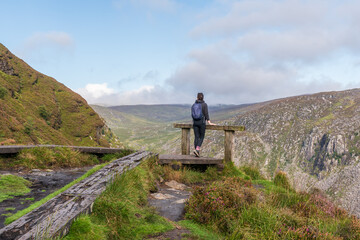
<point x="261" y="209"/>
<point x="281" y="180"/>
<point x="236" y="203"/>
<point x="59" y="157"/>
<point x="121" y="212"/>
<point x="58" y="115"/>
<point x="150" y="127"/>
<point x="50" y="196"/>
<point x="3" y="92"/>
<point x="43" y="112"/>
<point x="84" y="228"/>
<point x="11" y="185"/>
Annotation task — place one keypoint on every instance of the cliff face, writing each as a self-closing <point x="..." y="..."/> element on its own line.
<point x="314" y="138"/>
<point x="36" y="109"/>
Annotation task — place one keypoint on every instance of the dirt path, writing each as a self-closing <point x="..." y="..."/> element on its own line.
<point x="43" y="183"/>
<point x="169" y="201"/>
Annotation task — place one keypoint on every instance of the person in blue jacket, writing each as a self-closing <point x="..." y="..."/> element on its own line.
<point x="199" y="122"/>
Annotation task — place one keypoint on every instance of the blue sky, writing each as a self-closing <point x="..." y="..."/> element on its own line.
<point x="165" y="51"/>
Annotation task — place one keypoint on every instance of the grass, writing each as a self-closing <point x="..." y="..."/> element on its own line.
<point x="59" y="157"/>
<point x="121" y="212"/>
<point x="50" y="196"/>
<point x="243" y="209"/>
<point x="11" y="185"/>
<point x="199" y="231"/>
<point x="229" y="204"/>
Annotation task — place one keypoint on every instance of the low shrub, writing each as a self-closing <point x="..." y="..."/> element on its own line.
<point x="252" y="172"/>
<point x="221" y="202"/>
<point x="3" y="92"/>
<point x="282" y="180"/>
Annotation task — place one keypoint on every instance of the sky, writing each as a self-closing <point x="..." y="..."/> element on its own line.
<point x="117" y="52"/>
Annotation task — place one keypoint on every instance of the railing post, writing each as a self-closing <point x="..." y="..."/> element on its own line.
<point x="229" y="143"/>
<point x="185" y="141"/>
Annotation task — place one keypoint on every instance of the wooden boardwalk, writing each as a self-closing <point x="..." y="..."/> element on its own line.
<point x="188" y="159"/>
<point x="55" y="216"/>
<point x="11" y="149"/>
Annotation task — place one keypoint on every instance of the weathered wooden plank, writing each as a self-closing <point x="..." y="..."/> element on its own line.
<point x="54" y="217"/>
<point x="188" y="159"/>
<point x="229" y="143"/>
<point x="98" y="150"/>
<point x="185" y="141"/>
<point x="211" y="127"/>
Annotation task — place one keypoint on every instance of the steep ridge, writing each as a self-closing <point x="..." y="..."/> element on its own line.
<point x="36" y="109"/>
<point x="314" y="138"/>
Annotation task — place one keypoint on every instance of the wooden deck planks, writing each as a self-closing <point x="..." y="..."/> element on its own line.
<point x="188" y="159"/>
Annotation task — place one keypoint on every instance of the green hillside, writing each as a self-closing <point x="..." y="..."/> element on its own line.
<point x="36" y="109"/>
<point x="150" y="127"/>
<point x="176" y="112"/>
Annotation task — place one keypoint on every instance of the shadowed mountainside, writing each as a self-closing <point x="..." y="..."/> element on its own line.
<point x="36" y="109"/>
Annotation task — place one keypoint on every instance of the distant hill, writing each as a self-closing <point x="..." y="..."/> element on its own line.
<point x="150" y="127"/>
<point x="36" y="109"/>
<point x="174" y="112"/>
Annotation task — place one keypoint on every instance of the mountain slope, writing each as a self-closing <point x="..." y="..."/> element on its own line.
<point x="36" y="109"/>
<point x="314" y="138"/>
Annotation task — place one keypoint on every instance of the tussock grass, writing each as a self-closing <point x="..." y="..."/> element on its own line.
<point x="11" y="185"/>
<point x="59" y="157"/>
<point x="123" y="209"/>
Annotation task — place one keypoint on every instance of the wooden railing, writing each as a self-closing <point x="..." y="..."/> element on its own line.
<point x="228" y="142"/>
<point x="11" y="149"/>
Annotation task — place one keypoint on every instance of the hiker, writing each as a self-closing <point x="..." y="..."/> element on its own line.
<point x="200" y="115"/>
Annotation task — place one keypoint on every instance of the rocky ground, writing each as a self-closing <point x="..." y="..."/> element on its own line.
<point x="169" y="201"/>
<point x="43" y="183"/>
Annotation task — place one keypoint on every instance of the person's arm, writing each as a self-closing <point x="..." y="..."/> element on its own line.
<point x="206" y="113"/>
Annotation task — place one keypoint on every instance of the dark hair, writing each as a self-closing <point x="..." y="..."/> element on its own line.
<point x="200" y="96"/>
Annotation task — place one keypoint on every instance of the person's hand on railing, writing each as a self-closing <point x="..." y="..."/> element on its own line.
<point x="210" y="123"/>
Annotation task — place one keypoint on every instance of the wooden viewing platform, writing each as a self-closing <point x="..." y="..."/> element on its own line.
<point x="186" y="158"/>
<point x="11" y="149"/>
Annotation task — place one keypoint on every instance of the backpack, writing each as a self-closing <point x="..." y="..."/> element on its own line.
<point x="196" y="111"/>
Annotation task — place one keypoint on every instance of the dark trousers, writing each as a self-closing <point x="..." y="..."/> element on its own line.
<point x="199" y="132"/>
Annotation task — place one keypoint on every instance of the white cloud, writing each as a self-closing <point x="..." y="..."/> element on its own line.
<point x="146" y="94"/>
<point x="93" y="91"/>
<point x="259" y="50"/>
